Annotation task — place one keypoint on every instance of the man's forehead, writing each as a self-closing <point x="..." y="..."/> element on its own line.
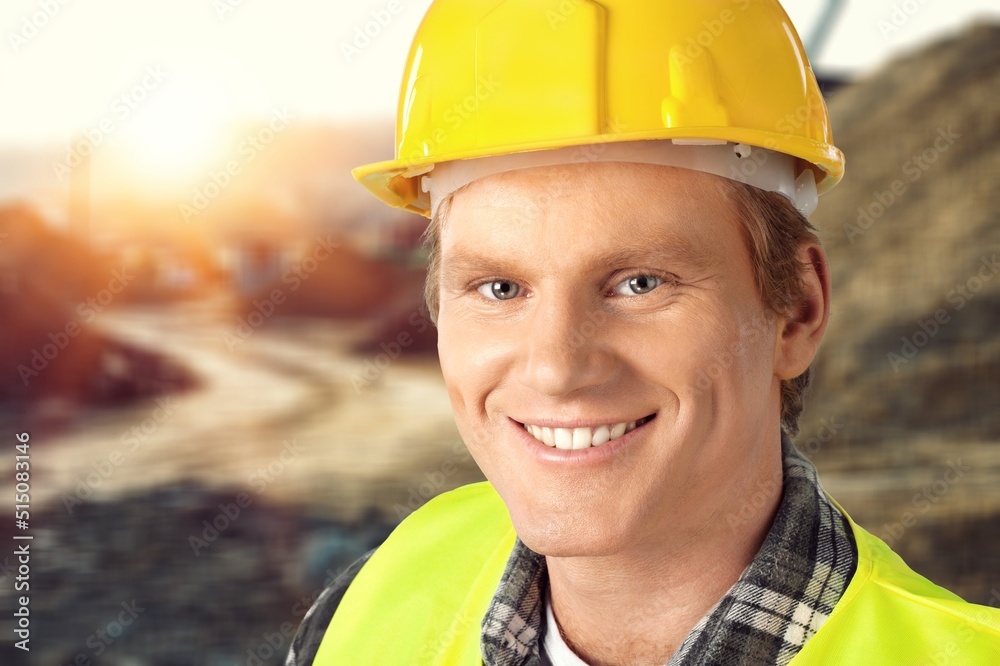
<point x="636" y="193"/>
<point x="471" y="243"/>
<point x="566" y="181"/>
<point x="637" y="212"/>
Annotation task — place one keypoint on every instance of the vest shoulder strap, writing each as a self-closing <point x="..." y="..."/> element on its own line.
<point x="421" y="597"/>
<point x="890" y="614"/>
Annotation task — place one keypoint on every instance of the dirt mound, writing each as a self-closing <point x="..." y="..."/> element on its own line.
<point x="405" y="327"/>
<point x="913" y="239"/>
<point x="332" y="279"/>
<point x="52" y="291"/>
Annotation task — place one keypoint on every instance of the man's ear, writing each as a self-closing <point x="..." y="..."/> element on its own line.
<point x="800" y="333"/>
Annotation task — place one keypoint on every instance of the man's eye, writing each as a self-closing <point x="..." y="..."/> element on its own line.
<point x="638" y="285"/>
<point x="501" y="290"/>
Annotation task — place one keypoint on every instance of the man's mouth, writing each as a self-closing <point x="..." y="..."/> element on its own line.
<point x="583" y="438"/>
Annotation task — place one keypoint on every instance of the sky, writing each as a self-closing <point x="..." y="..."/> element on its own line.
<point x="174" y="74"/>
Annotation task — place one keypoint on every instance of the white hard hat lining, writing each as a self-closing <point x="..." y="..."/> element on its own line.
<point x="760" y="167"/>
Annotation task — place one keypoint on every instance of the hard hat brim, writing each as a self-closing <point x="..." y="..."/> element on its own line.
<point x="397" y="182"/>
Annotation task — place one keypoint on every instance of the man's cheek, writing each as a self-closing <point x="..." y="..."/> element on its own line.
<point x="681" y="370"/>
<point x="709" y="360"/>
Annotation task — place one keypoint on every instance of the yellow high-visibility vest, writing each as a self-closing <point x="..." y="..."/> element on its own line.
<point x="420" y="599"/>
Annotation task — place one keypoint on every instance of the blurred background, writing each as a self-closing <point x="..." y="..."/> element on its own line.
<point x="218" y="345"/>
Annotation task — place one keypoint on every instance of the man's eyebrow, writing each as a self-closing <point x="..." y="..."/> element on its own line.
<point x="459" y="262"/>
<point x="667" y="252"/>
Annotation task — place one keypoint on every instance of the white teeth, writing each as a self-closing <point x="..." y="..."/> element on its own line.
<point x="601" y="435"/>
<point x="579" y="438"/>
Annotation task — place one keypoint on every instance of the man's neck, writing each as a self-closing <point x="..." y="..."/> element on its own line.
<point x="637" y="606"/>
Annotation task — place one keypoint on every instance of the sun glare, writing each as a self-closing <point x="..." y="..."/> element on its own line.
<point x="177" y="134"/>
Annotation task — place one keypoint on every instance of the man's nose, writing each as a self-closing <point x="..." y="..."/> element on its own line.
<point x="562" y="348"/>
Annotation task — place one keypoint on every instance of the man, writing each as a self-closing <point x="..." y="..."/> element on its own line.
<point x="628" y="296"/>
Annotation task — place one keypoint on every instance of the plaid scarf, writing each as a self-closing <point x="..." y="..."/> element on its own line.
<point x="781" y="599"/>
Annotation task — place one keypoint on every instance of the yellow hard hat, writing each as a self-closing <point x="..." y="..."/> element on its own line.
<point x="487" y="78"/>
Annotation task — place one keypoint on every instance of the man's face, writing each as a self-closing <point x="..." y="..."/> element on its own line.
<point x="583" y="298"/>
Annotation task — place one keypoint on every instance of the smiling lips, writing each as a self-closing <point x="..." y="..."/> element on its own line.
<point x="582" y="438"/>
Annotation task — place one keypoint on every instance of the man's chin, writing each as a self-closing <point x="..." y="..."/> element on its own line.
<point x="566" y="534"/>
<point x="571" y="544"/>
